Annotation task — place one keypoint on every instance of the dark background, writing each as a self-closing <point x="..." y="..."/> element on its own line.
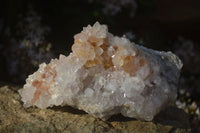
<point x="164" y="18"/>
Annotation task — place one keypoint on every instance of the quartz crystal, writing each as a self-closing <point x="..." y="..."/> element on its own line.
<point x="106" y="75"/>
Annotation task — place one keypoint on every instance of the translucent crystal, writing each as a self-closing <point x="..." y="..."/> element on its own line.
<point x="106" y="75"/>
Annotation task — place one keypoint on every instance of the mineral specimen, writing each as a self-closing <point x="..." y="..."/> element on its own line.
<point x="106" y="75"/>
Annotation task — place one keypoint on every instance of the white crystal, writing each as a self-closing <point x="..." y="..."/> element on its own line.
<point x="106" y="75"/>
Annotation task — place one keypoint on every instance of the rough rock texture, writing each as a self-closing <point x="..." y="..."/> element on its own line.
<point x="14" y="118"/>
<point x="106" y="75"/>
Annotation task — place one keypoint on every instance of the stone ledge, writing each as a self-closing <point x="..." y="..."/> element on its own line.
<point x="15" y="118"/>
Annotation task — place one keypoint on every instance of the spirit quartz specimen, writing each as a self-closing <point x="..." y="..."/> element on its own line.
<point x="106" y="75"/>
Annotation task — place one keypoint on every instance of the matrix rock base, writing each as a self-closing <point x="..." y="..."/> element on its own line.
<point x="14" y="118"/>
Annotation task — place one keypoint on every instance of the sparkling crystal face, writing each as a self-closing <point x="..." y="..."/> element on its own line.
<point x="105" y="75"/>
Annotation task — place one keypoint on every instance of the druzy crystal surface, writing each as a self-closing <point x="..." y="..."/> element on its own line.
<point x="106" y="75"/>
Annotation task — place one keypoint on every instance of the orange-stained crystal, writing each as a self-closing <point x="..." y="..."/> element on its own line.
<point x="127" y="63"/>
<point x="43" y="85"/>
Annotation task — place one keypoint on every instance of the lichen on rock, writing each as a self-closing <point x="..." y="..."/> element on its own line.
<point x="106" y="75"/>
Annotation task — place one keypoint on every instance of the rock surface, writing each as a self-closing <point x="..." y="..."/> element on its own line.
<point x="106" y="75"/>
<point x="15" y="118"/>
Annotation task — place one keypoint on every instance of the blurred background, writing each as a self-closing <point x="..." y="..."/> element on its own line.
<point x="32" y="32"/>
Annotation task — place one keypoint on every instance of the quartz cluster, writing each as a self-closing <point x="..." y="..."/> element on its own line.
<point x="106" y="75"/>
